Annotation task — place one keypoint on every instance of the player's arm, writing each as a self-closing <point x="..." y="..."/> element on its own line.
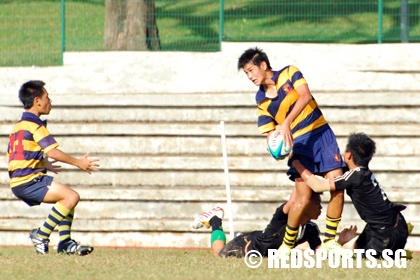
<point x="83" y="163"/>
<point x="304" y="98"/>
<point x="316" y="183"/>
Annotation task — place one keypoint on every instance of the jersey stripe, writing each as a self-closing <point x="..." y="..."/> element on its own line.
<point x="29" y="140"/>
<point x="272" y="112"/>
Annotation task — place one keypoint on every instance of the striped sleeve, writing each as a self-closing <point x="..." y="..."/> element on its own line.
<point x="44" y="139"/>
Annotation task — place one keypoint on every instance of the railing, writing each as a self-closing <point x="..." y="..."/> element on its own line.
<point x="35" y="32"/>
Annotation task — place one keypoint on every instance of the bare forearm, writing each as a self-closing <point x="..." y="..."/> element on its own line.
<point x="63" y="157"/>
<point x="83" y="163"/>
<point x="304" y="98"/>
<point x="297" y="109"/>
<point x="316" y="183"/>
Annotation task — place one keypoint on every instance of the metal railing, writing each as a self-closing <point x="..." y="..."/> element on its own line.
<point x="35" y="32"/>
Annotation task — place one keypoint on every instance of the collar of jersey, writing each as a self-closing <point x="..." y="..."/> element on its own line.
<point x="260" y="96"/>
<point x="27" y="116"/>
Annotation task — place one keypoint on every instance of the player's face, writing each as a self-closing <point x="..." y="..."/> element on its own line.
<point x="314" y="208"/>
<point x="44" y="103"/>
<point x="254" y="73"/>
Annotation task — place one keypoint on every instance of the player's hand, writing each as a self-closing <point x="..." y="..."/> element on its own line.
<point x="88" y="164"/>
<point x="347" y="234"/>
<point x="49" y="164"/>
<point x="284" y="130"/>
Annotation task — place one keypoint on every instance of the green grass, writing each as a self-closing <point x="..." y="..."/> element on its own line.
<point x="109" y="263"/>
<point x="30" y="31"/>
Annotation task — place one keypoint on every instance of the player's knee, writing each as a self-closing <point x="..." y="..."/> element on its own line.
<point x="337" y="196"/>
<point x="73" y="199"/>
<point x="300" y="205"/>
<point x="304" y="200"/>
<point x="76" y="197"/>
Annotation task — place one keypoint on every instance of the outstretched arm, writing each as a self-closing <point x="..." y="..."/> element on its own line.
<point x="83" y="163"/>
<point x="316" y="183"/>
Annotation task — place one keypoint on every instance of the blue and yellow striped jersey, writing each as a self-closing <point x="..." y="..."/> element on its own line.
<point x="29" y="140"/>
<point x="273" y="111"/>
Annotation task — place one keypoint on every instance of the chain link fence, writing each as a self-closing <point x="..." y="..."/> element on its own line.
<point x="35" y="32"/>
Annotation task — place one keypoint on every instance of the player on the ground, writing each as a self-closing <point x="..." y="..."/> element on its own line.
<point x="286" y="105"/>
<point x="386" y="227"/>
<point x="30" y="141"/>
<point x="272" y="236"/>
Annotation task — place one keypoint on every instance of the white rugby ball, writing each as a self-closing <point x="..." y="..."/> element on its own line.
<point x="277" y="146"/>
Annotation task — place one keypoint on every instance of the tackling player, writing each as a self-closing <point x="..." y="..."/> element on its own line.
<point x="272" y="236"/>
<point x="385" y="227"/>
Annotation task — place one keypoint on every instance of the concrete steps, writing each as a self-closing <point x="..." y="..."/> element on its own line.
<point x="161" y="162"/>
<point x="206" y="115"/>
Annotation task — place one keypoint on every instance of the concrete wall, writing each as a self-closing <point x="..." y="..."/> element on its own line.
<point x="153" y="120"/>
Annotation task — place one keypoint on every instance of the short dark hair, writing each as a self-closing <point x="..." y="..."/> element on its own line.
<point x="362" y="148"/>
<point x="254" y="55"/>
<point x="28" y="91"/>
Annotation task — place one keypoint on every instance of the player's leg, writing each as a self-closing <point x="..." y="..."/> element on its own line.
<point x="218" y="244"/>
<point x="64" y="227"/>
<point x="66" y="196"/>
<point x="330" y="164"/>
<point x="33" y="194"/>
<point x="397" y="236"/>
<point x="334" y="212"/>
<point x="279" y="219"/>
<point x="213" y="219"/>
<point x="301" y="201"/>
<point x="218" y="237"/>
<point x="65" y="200"/>
<point x="62" y="214"/>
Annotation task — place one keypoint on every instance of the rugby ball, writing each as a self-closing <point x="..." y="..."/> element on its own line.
<point x="277" y="147"/>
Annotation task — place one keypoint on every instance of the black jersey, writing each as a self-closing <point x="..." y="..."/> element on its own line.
<point x="368" y="197"/>
<point x="271" y="237"/>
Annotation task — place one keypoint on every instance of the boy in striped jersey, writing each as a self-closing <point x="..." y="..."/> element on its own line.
<point x="385" y="227"/>
<point x="29" y="148"/>
<point x="286" y="106"/>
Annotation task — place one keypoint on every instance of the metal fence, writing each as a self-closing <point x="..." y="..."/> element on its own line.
<point x="35" y="32"/>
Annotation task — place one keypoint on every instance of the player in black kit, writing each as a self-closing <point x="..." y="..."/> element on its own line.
<point x="272" y="236"/>
<point x="385" y="227"/>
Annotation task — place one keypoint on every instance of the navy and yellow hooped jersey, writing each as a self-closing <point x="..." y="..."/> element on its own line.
<point x="273" y="111"/>
<point x="29" y="140"/>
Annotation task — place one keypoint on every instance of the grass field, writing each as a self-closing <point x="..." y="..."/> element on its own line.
<point x="161" y="263"/>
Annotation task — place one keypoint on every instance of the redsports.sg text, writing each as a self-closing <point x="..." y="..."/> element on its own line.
<point x="344" y="258"/>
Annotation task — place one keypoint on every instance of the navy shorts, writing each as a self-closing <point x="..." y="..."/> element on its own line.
<point x="33" y="193"/>
<point x="319" y="153"/>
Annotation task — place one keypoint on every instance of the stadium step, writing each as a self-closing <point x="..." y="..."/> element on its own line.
<point x="161" y="162"/>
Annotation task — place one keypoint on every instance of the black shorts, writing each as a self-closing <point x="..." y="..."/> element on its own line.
<point x="393" y="238"/>
<point x="262" y="242"/>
